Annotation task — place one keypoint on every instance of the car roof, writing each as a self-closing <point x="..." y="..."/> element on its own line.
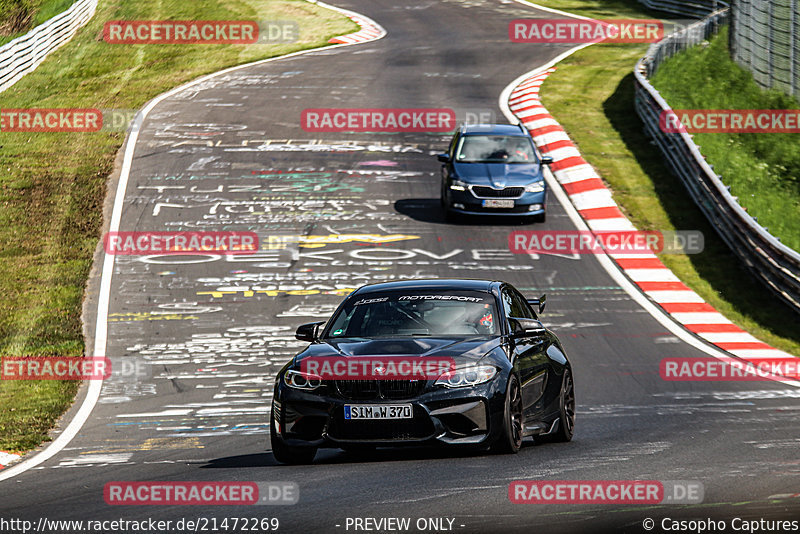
<point x="462" y="284"/>
<point x="494" y="129"/>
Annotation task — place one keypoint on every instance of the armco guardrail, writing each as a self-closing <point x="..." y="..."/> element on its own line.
<point x="25" y="53"/>
<point x="691" y="8"/>
<point x="772" y="262"/>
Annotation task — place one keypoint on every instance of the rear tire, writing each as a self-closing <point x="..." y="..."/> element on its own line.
<point x="286" y="454"/>
<point x="510" y="441"/>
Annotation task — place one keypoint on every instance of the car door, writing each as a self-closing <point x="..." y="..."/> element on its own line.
<point x="532" y="362"/>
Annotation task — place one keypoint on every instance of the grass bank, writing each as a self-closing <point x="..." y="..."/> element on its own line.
<point x="52" y="185"/>
<point x="591" y="95"/>
<point x="763" y="170"/>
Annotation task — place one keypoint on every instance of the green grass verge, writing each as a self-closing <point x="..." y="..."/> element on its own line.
<point x="17" y="17"/>
<point x="762" y="169"/>
<point x="52" y="185"/>
<point x="591" y="95"/>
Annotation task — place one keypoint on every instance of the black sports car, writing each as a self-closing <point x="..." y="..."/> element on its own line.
<point x="458" y="362"/>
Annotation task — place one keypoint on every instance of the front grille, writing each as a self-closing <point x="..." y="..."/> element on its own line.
<point x="379" y="389"/>
<point x="481" y="191"/>
<point x="522" y="209"/>
<point x="420" y="427"/>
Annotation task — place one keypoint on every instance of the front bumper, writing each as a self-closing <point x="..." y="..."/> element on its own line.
<point x="457" y="416"/>
<point x="467" y="203"/>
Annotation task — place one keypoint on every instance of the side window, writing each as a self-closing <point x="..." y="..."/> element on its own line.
<point x="525" y="308"/>
<point x="453" y="145"/>
<point x="512" y="304"/>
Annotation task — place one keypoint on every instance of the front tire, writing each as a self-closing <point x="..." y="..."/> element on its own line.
<point x="447" y="213"/>
<point x="286" y="454"/>
<point x="510" y="441"/>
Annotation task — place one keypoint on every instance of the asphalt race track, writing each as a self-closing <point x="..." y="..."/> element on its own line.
<point x="207" y="333"/>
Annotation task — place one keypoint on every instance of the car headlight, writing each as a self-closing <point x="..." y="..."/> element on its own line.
<point x="535" y="187"/>
<point x="298" y="380"/>
<point x="458" y="185"/>
<point x="467" y="376"/>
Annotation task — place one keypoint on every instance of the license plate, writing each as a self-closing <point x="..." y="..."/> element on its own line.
<point x="498" y="203"/>
<point x="378" y="411"/>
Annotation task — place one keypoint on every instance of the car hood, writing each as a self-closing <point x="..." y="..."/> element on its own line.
<point x="498" y="175"/>
<point x="462" y="350"/>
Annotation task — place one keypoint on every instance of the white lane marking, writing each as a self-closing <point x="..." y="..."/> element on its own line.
<point x="674" y="296"/>
<point x="541" y="123"/>
<point x="651" y="275"/>
<point x="625" y="256"/>
<point x="155" y="414"/>
<point x="568" y="152"/>
<point x="701" y="318"/>
<point x="575" y="174"/>
<point x="615" y="224"/>
<point x="596" y="198"/>
<point x="762" y="354"/>
<point x="551" y="137"/>
<point x="101" y="330"/>
<point x="728" y="337"/>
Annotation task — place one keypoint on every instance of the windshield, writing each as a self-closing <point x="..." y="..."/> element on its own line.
<point x="495" y="149"/>
<point x="416" y="313"/>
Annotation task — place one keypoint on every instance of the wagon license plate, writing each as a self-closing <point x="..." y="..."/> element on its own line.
<point x="378" y="411"/>
<point x="498" y="203"/>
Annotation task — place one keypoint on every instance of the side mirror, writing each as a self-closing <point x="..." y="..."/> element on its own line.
<point x="546" y="160"/>
<point x="538" y="303"/>
<point x="524" y="327"/>
<point x="444" y="158"/>
<point x="309" y="331"/>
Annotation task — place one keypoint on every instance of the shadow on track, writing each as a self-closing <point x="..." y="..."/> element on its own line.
<point x="338" y="456"/>
<point x="429" y="210"/>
